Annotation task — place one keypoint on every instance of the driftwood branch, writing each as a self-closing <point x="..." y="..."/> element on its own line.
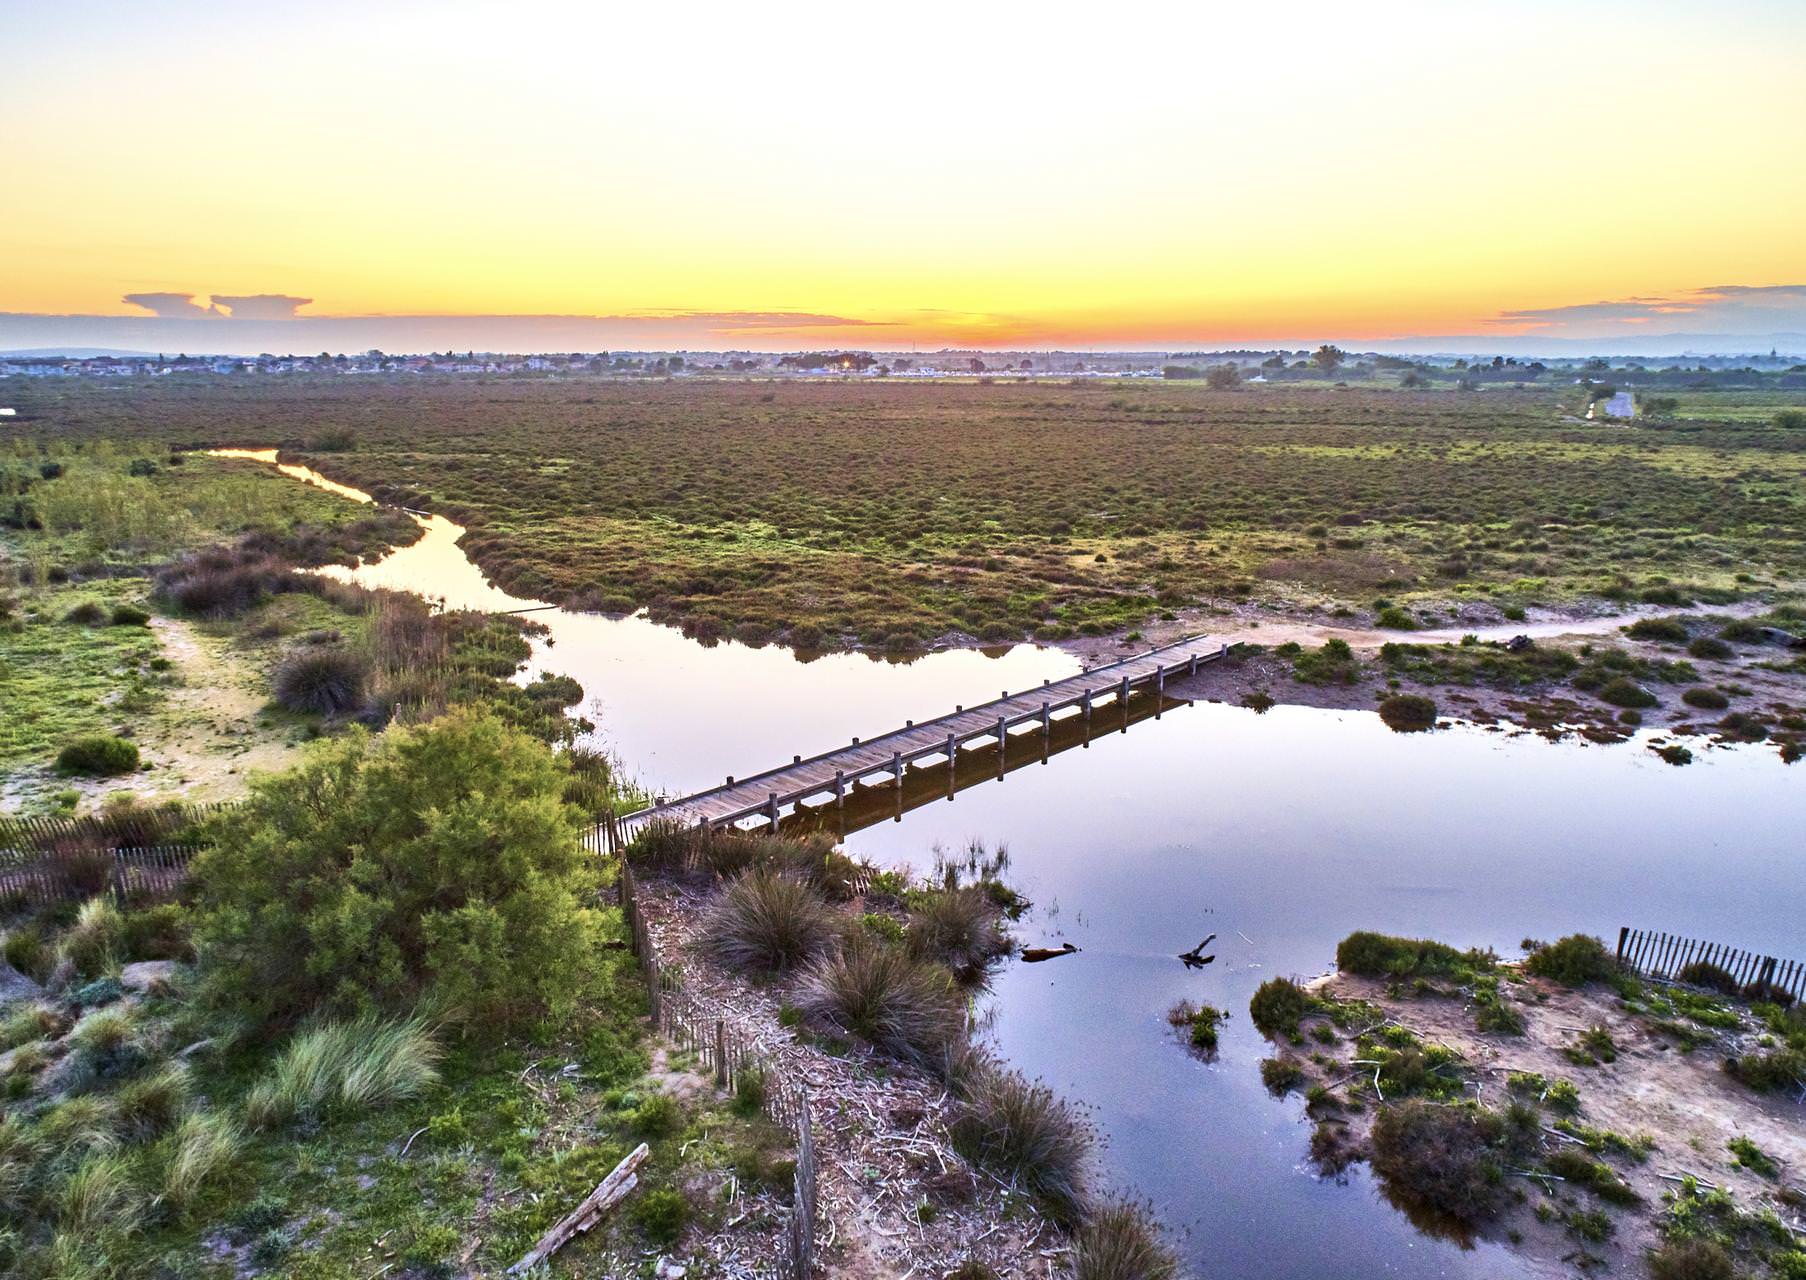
<point x="608" y="1193"/>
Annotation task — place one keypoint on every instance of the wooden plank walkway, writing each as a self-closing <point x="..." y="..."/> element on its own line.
<point x="833" y="772"/>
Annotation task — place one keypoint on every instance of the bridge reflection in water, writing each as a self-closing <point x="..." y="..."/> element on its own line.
<point x="867" y="804"/>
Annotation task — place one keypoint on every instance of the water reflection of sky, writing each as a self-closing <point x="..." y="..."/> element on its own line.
<point x="1282" y="833"/>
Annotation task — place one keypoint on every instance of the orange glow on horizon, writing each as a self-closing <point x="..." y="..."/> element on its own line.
<point x="972" y="178"/>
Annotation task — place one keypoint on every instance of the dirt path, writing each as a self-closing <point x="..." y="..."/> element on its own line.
<point x="206" y="738"/>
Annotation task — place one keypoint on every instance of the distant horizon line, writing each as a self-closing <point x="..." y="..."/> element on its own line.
<point x="1777" y="347"/>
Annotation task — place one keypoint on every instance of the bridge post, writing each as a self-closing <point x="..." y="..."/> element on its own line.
<point x="840" y="788"/>
<point x="1046" y="719"/>
<point x="771" y="810"/>
<point x="1087" y="704"/>
<point x="1123" y="695"/>
<point x="1159" y="689"/>
<point x="896" y="766"/>
<point x="1194" y="665"/>
<point x="1003" y="746"/>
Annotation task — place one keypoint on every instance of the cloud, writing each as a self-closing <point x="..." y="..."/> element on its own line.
<point x="1724" y="309"/>
<point x="170" y="306"/>
<point x="260" y="306"/>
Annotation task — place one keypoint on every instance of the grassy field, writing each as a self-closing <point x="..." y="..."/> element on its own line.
<point x="890" y="515"/>
<point x="98" y="637"/>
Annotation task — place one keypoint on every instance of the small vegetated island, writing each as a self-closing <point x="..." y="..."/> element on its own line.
<point x="1581" y="1115"/>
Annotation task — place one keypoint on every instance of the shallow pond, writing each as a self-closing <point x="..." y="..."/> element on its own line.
<point x="1280" y="833"/>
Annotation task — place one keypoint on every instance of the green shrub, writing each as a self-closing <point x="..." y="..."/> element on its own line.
<point x="1706" y="699"/>
<point x="86" y="614"/>
<point x="1753" y="1157"/>
<point x="661" y="1215"/>
<point x="1771" y="1070"/>
<point x="321" y="680"/>
<point x="1574" y="961"/>
<point x="1408" y="712"/>
<point x="1437" y="1156"/>
<point x="1026" y="1133"/>
<point x="366" y="1062"/>
<point x="657" y="1116"/>
<point x="99" y="755"/>
<point x="1379" y="955"/>
<point x="1277" y="1006"/>
<point x="882" y="924"/>
<point x="1281" y="1075"/>
<point x="1621" y="691"/>
<point x="1664" y="630"/>
<point x="1691" y="1260"/>
<point x="899" y="1003"/>
<point x="128" y="615"/>
<point x="157" y="932"/>
<point x="1791" y="419"/>
<point x="1119" y="1240"/>
<point x="1200" y="1022"/>
<point x="1393" y="618"/>
<point x="1710" y="647"/>
<point x="1703" y="973"/>
<point x="437" y="861"/>
<point x="766" y="920"/>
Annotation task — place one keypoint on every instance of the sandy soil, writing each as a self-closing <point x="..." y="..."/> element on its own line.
<point x="1684" y="1100"/>
<point x="207" y="738"/>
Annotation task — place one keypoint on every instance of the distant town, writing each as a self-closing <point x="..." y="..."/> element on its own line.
<point x="1222" y="369"/>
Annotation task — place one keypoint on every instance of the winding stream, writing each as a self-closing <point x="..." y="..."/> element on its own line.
<point x="1280" y="832"/>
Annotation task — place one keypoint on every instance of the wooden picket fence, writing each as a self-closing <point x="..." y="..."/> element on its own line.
<point x="37" y="879"/>
<point x="724" y="1045"/>
<point x="1665" y="955"/>
<point x="135" y="828"/>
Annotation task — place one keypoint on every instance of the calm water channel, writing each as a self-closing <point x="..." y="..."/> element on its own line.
<point x="1279" y="832"/>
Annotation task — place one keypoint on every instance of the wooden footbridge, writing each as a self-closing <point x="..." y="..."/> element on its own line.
<point x="834" y="773"/>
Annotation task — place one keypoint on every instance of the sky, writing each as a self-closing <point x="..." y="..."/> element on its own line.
<point x="795" y="175"/>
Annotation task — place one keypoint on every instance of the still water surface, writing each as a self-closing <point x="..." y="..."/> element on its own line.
<point x="1279" y="832"/>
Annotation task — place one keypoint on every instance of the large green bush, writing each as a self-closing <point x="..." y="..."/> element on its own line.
<point x="99" y="755"/>
<point x="435" y="863"/>
<point x="1574" y="961"/>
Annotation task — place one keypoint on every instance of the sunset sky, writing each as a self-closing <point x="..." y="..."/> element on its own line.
<point x="798" y="175"/>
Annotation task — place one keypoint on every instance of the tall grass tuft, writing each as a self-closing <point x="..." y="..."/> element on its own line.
<point x="1119" y="1241"/>
<point x="29" y="1022"/>
<point x="98" y="1196"/>
<point x="152" y="1103"/>
<point x="366" y="1062"/>
<point x="204" y="1144"/>
<point x="93" y="943"/>
<point x="766" y="920"/>
<point x="960" y="928"/>
<point x="323" y="679"/>
<point x="1027" y="1133"/>
<point x="901" y="1004"/>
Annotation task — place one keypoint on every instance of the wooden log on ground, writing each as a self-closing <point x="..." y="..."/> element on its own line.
<point x="608" y="1193"/>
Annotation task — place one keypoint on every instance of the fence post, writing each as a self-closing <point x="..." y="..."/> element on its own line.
<point x="1623" y="932"/>
<point x="720" y="1053"/>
